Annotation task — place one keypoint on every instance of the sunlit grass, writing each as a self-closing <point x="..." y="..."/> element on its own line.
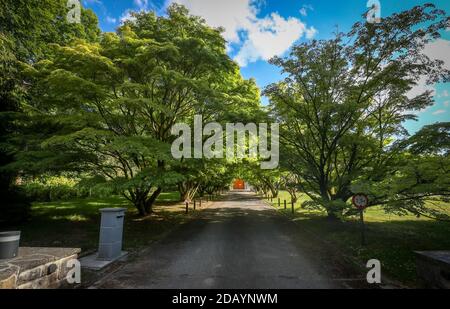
<point x="75" y="218"/>
<point x="391" y="238"/>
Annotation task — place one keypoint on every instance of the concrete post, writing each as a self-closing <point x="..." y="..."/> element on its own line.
<point x="111" y="232"/>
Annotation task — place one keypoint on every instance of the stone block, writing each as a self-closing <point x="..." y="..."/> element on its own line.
<point x="36" y="268"/>
<point x="433" y="268"/>
<point x="8" y="276"/>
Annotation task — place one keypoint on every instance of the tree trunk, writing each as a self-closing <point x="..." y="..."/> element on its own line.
<point x="187" y="190"/>
<point x="184" y="196"/>
<point x="149" y="203"/>
<point x="274" y="192"/>
<point x="140" y="206"/>
<point x="293" y="196"/>
<point x="183" y="192"/>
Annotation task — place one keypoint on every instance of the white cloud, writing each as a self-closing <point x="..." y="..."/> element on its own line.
<point x="305" y="8"/>
<point x="303" y="11"/>
<point x="311" y="32"/>
<point x="438" y="49"/>
<point x="438" y="112"/>
<point x="258" y="38"/>
<point x="111" y="20"/>
<point x="90" y="2"/>
<point x="447" y="103"/>
<point x="420" y="88"/>
<point x="126" y="16"/>
<point x="141" y="4"/>
<point x="233" y="15"/>
<point x="269" y="37"/>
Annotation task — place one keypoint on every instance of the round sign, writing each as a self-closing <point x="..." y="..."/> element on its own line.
<point x="360" y="200"/>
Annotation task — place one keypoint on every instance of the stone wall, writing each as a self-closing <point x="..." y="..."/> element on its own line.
<point x="433" y="268"/>
<point x="37" y="268"/>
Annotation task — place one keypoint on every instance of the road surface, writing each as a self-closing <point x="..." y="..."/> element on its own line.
<point x="237" y="243"/>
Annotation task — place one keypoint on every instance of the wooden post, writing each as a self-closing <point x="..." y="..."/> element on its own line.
<point x="200" y="202"/>
<point x="279" y="203"/>
<point x="194" y="204"/>
<point x="285" y="206"/>
<point x="293" y="210"/>
<point x="187" y="207"/>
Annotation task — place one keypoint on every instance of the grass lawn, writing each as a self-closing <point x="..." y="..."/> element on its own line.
<point x="391" y="239"/>
<point x="76" y="223"/>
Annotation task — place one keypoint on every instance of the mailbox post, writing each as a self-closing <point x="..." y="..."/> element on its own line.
<point x="111" y="232"/>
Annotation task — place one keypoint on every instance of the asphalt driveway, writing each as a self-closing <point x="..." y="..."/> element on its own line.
<point x="237" y="243"/>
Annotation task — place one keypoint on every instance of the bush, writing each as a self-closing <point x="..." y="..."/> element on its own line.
<point x="53" y="188"/>
<point x="56" y="188"/>
<point x="96" y="186"/>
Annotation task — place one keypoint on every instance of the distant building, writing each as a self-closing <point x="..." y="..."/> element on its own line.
<point x="239" y="184"/>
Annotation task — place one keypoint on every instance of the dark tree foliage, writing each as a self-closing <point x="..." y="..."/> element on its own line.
<point x="27" y="27"/>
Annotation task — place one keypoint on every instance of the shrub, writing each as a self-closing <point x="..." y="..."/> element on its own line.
<point x="55" y="188"/>
<point x="51" y="188"/>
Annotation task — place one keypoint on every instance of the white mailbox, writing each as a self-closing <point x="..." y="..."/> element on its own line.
<point x="111" y="231"/>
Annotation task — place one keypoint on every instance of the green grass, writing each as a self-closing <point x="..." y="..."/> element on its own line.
<point x="390" y="238"/>
<point x="76" y="223"/>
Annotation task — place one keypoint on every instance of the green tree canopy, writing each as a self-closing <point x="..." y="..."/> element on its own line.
<point x="109" y="106"/>
<point x="344" y="101"/>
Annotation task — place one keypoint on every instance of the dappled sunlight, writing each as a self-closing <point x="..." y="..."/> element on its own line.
<point x="51" y="207"/>
<point x="75" y="218"/>
<point x="170" y="208"/>
<point x="103" y="204"/>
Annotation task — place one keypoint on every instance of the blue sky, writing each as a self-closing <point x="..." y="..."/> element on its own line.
<point x="259" y="29"/>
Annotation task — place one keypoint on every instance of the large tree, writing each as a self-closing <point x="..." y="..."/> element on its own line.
<point x="110" y="106"/>
<point x="344" y="101"/>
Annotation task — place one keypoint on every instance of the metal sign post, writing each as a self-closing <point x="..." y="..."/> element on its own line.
<point x="361" y="201"/>
<point x="363" y="227"/>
